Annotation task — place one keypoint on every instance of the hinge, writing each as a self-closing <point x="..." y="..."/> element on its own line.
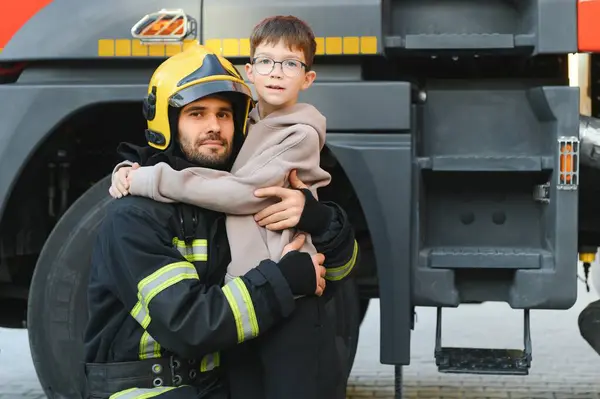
<point x="541" y="193"/>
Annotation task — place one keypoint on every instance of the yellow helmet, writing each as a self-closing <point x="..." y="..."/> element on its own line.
<point x="186" y="77"/>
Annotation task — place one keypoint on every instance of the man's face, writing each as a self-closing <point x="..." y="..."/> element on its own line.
<point x="278" y="84"/>
<point x="206" y="131"/>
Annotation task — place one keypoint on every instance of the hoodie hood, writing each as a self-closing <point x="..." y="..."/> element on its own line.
<point x="297" y="114"/>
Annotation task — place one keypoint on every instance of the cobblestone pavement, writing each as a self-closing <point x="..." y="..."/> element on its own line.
<point x="563" y="364"/>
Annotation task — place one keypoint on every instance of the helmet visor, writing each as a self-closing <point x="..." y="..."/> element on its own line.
<point x="203" y="89"/>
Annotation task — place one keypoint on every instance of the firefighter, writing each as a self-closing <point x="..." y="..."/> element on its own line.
<point x="161" y="322"/>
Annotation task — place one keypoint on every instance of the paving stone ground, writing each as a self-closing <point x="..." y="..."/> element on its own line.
<point x="564" y="367"/>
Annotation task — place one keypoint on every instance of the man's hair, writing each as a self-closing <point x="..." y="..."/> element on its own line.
<point x="295" y="33"/>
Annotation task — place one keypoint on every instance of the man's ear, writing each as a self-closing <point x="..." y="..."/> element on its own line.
<point x="309" y="78"/>
<point x="249" y="72"/>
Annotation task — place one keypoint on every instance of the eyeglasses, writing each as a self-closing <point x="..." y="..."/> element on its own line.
<point x="265" y="65"/>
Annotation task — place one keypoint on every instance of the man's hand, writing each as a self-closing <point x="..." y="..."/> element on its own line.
<point x="318" y="260"/>
<point x="286" y="213"/>
<point x="120" y="186"/>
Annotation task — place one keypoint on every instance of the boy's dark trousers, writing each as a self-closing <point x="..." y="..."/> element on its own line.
<point x="297" y="359"/>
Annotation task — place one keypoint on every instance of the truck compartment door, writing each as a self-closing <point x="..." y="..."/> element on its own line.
<point x="498" y="195"/>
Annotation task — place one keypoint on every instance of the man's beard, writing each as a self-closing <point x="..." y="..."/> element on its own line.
<point x="213" y="160"/>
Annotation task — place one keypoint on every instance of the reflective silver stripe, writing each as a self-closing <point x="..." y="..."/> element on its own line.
<point x="139" y="393"/>
<point x="243" y="309"/>
<point x="338" y="273"/>
<point x="155" y="283"/>
<point x="198" y="254"/>
<point x="197" y="251"/>
<point x="149" y="348"/>
<point x="139" y="313"/>
<point x="197" y="242"/>
<point x="210" y="362"/>
<point x="164" y="278"/>
<point x="148" y="288"/>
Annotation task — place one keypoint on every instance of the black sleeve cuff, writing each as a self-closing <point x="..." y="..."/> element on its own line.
<point x="316" y="217"/>
<point x="298" y="269"/>
<point x="267" y="271"/>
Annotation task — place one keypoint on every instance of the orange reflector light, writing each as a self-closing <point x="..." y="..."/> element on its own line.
<point x="165" y="26"/>
<point x="568" y="162"/>
<point x="162" y="26"/>
<point x="588" y="26"/>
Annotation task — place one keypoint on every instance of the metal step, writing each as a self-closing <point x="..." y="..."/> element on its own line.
<point x="483" y="360"/>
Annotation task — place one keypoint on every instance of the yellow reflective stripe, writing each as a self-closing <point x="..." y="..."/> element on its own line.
<point x="196" y="252"/>
<point x="156" y="349"/>
<point x="141" y="393"/>
<point x="140" y="314"/>
<point x="242" y="307"/>
<point x="250" y="306"/>
<point x="195" y="243"/>
<point x="195" y="257"/>
<point x="164" y="278"/>
<point x="149" y="348"/>
<point x="237" y="315"/>
<point x="338" y="273"/>
<point x="157" y="282"/>
<point x="146" y="349"/>
<point x="210" y="362"/>
<point x="148" y="288"/>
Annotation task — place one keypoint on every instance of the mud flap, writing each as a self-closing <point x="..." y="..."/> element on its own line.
<point x="589" y="325"/>
<point x="380" y="169"/>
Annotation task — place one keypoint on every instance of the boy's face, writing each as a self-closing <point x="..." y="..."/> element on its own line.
<point x="206" y="130"/>
<point x="279" y="74"/>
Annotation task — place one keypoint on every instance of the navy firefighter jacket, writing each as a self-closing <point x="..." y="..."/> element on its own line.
<point x="156" y="284"/>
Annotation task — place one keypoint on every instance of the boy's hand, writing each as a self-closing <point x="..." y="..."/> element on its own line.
<point x="294" y="245"/>
<point x="120" y="186"/>
<point x="295" y="181"/>
<point x="286" y="213"/>
<point x="318" y="260"/>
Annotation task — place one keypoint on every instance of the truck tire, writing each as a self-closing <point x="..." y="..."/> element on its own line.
<point x="57" y="309"/>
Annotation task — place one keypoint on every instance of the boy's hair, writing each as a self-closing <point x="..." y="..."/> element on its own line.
<point x="294" y="32"/>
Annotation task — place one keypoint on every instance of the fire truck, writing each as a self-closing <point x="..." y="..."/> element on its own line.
<point x="455" y="142"/>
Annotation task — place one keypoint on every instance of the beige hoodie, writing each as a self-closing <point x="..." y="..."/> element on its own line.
<point x="287" y="139"/>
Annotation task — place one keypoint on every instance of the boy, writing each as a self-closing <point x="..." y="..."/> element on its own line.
<point x="283" y="135"/>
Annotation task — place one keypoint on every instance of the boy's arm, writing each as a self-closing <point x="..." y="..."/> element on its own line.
<point x="234" y="194"/>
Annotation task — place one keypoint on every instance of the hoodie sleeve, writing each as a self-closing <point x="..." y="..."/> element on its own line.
<point x="234" y="193"/>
